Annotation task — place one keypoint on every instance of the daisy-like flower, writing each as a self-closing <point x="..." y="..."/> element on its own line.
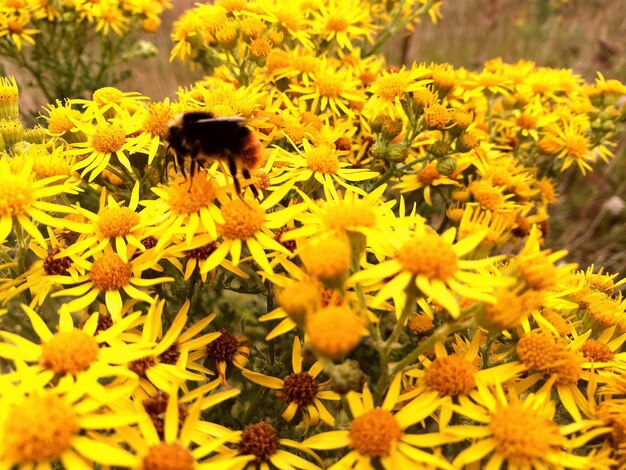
<point x="109" y="145"/>
<point x="329" y="88"/>
<point x="113" y="225"/>
<point x="391" y="89"/>
<point x="109" y="102"/>
<point x="42" y="428"/>
<point x="455" y="376"/>
<point x="181" y="444"/>
<point x="38" y="280"/>
<point x="300" y="390"/>
<point x="194" y="254"/>
<point x="227" y="349"/>
<point x="380" y="436"/>
<point x="519" y="433"/>
<point x="249" y="223"/>
<point x="425" y="179"/>
<point x="433" y="264"/>
<point x="262" y="442"/>
<point x="186" y="207"/>
<point x="73" y="354"/>
<point x="322" y="163"/>
<point x="14" y="25"/>
<point x="345" y="22"/>
<point x="167" y="361"/>
<point x="22" y="199"/>
<point x="574" y="147"/>
<point x="109" y="275"/>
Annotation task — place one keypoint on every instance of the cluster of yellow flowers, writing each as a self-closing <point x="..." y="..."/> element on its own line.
<point x="386" y="301"/>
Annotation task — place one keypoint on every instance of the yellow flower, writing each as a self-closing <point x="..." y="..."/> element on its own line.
<point x="433" y="264"/>
<point x="519" y="433"/>
<point x="45" y="427"/>
<point x="323" y="164"/>
<point x="8" y="98"/>
<point x="391" y="89"/>
<point x="248" y="223"/>
<point x="300" y="391"/>
<point x="21" y="199"/>
<point x="381" y="433"/>
<point x="335" y="89"/>
<point x="346" y="22"/>
<point x="109" y="275"/>
<point x="73" y="352"/>
<point x="109" y="145"/>
<point x="13" y="25"/>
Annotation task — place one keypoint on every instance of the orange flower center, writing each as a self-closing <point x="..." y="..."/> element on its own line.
<point x="374" y="432"/>
<point x="109" y="272"/>
<point x="428" y="255"/>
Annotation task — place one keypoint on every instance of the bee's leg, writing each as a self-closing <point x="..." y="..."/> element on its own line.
<point x="180" y="160"/>
<point x="232" y="167"/>
<point x="246" y="175"/>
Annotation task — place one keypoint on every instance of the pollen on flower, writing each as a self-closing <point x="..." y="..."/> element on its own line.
<point x="537" y="269"/>
<point x="436" y="116"/>
<point x="323" y="160"/>
<point x="116" y="221"/>
<point x="107" y="95"/>
<point x="39" y="429"/>
<point x="260" y="440"/>
<point x="165" y="456"/>
<point x="328" y="260"/>
<point x="69" y="352"/>
<point x="428" y="255"/>
<point x="451" y="375"/>
<point x="536" y="350"/>
<point x="189" y="195"/>
<point x="597" y="351"/>
<point x="300" y="388"/>
<point x="334" y="331"/>
<point x="60" y="119"/>
<point x="486" y="195"/>
<point x="522" y="435"/>
<point x="109" y="272"/>
<point x="330" y="85"/>
<point x="223" y="348"/>
<point x="16" y="195"/>
<point x="374" y="432"/>
<point x="344" y="215"/>
<point x="159" y="115"/>
<point x="260" y="47"/>
<point x="392" y="85"/>
<point x="420" y="324"/>
<point x="242" y="219"/>
<point x="108" y="138"/>
<point x="428" y="174"/>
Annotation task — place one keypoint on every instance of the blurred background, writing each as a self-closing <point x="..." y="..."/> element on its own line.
<point x="584" y="35"/>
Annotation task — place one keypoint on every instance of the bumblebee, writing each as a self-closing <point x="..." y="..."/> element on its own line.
<point x="205" y="138"/>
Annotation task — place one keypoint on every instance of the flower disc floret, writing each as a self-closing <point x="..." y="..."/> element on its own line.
<point x="116" y="221"/>
<point x="39" y="429"/>
<point x="242" y="219"/>
<point x="451" y="376"/>
<point x="597" y="351"/>
<point x="300" y="388"/>
<point x="16" y="195"/>
<point x="109" y="138"/>
<point x="429" y="255"/>
<point x="322" y="160"/>
<point x="69" y="352"/>
<point x="327" y="260"/>
<point x="374" y="433"/>
<point x="187" y="196"/>
<point x="223" y="348"/>
<point x="260" y="440"/>
<point x="536" y="350"/>
<point x="165" y="456"/>
<point x="109" y="272"/>
<point x="522" y="435"/>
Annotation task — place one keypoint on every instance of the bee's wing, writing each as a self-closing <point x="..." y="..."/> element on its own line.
<point x="221" y="119"/>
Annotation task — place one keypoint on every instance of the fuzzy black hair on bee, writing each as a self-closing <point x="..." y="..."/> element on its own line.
<point x="204" y="138"/>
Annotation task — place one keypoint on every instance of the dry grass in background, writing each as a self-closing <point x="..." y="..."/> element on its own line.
<point x="585" y="35"/>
